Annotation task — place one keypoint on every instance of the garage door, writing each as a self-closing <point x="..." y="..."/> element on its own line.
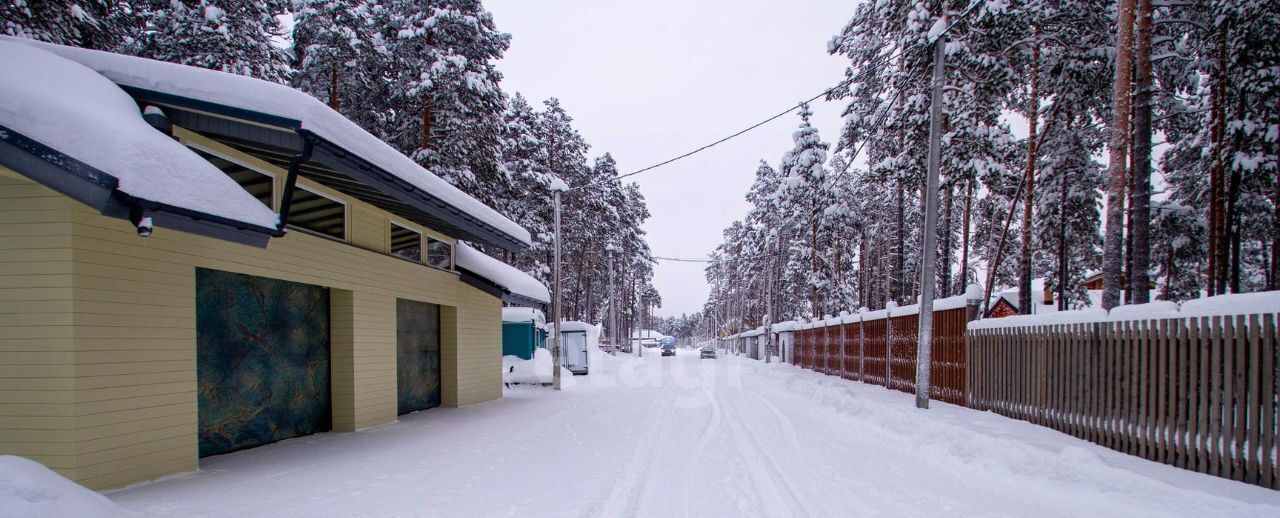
<point x="417" y="355"/>
<point x="262" y="360"/>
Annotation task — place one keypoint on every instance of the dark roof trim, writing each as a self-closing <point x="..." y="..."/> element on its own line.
<point x="470" y="278"/>
<point x="341" y="160"/>
<point x="99" y="190"/>
<point x="154" y="97"/>
<point x="348" y="163"/>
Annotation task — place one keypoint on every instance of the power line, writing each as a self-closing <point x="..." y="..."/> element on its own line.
<point x="774" y="117"/>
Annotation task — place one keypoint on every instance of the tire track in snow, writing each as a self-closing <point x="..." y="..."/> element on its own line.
<point x="772" y="488"/>
<point x="789" y="431"/>
<point x="708" y="432"/>
<point x="624" y="496"/>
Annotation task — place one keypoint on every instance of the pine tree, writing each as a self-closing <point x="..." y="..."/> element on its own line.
<point x="93" y="24"/>
<point x="236" y="36"/>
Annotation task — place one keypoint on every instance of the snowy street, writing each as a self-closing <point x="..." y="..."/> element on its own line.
<point x="688" y="437"/>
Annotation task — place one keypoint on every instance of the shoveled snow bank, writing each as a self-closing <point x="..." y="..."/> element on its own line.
<point x="275" y="99"/>
<point x="30" y="490"/>
<point x="502" y="274"/>
<point x="74" y="110"/>
<point x="537" y="370"/>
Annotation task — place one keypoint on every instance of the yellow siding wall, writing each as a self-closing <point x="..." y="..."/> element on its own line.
<point x="97" y="332"/>
<point x="37" y="369"/>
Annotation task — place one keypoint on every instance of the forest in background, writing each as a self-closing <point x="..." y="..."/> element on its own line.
<point x="421" y="76"/>
<point x="1188" y="181"/>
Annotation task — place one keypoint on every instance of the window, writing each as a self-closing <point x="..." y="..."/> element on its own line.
<point x="256" y="183"/>
<point x="316" y="213"/>
<point x="439" y="254"/>
<point x="406" y="243"/>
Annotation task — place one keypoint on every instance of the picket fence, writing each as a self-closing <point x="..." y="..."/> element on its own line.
<point x="882" y="351"/>
<point x="1198" y="393"/>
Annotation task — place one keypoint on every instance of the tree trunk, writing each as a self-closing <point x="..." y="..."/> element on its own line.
<point x="1033" y="119"/>
<point x="1112" y="261"/>
<point x="1217" y="173"/>
<point x="333" y="87"/>
<point x="1140" y="275"/>
<point x="964" y="246"/>
<point x="1273" y="277"/>
<point x="813" y="262"/>
<point x="1063" y="277"/>
<point x="899" y="280"/>
<point x="944" y="265"/>
<point x="426" y="123"/>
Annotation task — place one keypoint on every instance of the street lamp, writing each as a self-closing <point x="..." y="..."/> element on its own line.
<point x="557" y="186"/>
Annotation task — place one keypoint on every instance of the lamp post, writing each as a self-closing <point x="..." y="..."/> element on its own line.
<point x="557" y="186"/>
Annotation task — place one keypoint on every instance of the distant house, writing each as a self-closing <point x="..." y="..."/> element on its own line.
<point x="198" y="262"/>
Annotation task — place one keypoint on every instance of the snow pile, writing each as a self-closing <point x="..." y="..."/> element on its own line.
<point x="537" y="370"/>
<point x="30" y="490"/>
<point x="66" y="106"/>
<point x="274" y="99"/>
<point x="502" y="274"/>
<point x="1078" y="316"/>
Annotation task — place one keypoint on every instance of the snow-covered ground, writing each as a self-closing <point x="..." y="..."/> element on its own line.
<point x="687" y="437"/>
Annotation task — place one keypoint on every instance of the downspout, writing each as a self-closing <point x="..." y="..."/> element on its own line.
<point x="291" y="179"/>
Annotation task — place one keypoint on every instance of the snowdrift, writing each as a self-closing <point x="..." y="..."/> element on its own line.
<point x="30" y="490"/>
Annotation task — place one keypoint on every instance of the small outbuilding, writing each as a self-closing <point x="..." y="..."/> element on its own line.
<point x="523" y="332"/>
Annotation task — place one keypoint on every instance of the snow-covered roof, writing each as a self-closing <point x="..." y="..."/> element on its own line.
<point x="523" y="315"/>
<point x="502" y="274"/>
<point x="574" y="325"/>
<point x="255" y="95"/>
<point x="85" y="116"/>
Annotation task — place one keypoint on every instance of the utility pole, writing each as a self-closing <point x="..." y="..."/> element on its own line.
<point x="613" y="311"/>
<point x="924" y="354"/>
<point x="558" y="186"/>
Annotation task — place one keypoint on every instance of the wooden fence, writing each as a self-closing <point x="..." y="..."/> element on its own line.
<point x="1198" y="393"/>
<point x="883" y="352"/>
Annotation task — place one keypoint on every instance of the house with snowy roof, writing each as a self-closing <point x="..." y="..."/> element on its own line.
<point x="194" y="262"/>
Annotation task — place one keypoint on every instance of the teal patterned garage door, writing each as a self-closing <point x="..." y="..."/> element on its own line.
<point x="417" y="355"/>
<point x="262" y="360"/>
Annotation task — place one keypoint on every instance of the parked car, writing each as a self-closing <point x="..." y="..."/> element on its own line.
<point x="648" y="343"/>
<point x="708" y="352"/>
<point x="668" y="349"/>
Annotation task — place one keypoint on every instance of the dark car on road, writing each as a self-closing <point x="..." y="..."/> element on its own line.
<point x="669" y="349"/>
<point x="708" y="352"/>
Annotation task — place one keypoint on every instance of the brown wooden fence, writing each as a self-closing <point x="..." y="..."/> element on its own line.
<point x="1197" y="393"/>
<point x="862" y="351"/>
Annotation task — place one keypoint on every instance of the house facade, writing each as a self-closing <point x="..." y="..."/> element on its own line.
<point x="141" y="330"/>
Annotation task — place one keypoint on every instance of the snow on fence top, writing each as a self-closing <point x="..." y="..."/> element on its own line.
<point x="1221" y="305"/>
<point x="502" y="274"/>
<point x="972" y="294"/>
<point x="78" y="112"/>
<point x="270" y="98"/>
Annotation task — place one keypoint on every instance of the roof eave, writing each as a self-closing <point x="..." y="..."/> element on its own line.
<point x="344" y="161"/>
<point x="99" y="190"/>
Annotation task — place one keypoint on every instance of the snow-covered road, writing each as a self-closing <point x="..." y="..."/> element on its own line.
<point x="688" y="437"/>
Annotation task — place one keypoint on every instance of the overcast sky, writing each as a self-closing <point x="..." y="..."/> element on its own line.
<point x="647" y="81"/>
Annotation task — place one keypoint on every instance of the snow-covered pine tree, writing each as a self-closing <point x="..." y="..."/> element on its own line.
<point x="339" y="55"/>
<point x="93" y="24"/>
<point x="444" y="103"/>
<point x="805" y="194"/>
<point x="237" y="36"/>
